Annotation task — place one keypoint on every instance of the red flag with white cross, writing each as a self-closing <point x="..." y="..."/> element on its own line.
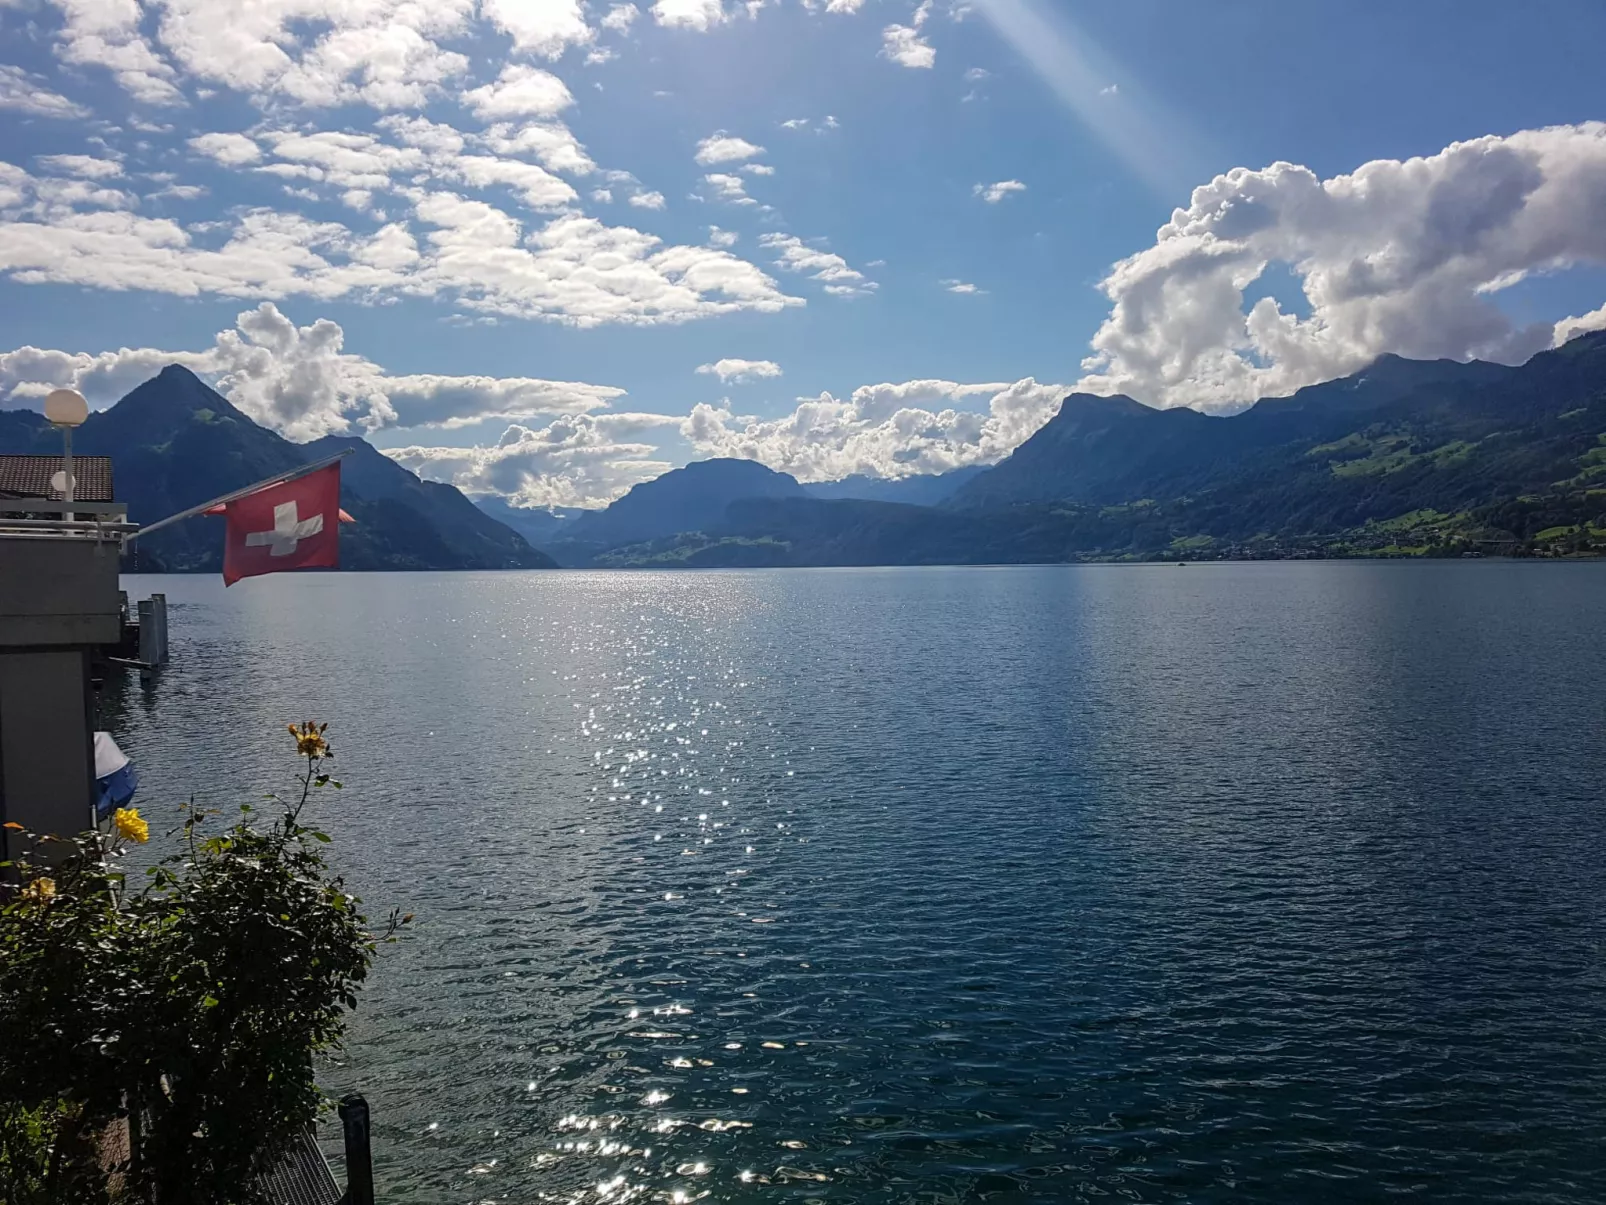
<point x="292" y="524"/>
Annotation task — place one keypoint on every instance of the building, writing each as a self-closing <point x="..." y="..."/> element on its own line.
<point x="59" y="602"/>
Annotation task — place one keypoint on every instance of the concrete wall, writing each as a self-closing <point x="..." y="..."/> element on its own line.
<point x="58" y="598"/>
<point x="57" y="592"/>
<point x="47" y="776"/>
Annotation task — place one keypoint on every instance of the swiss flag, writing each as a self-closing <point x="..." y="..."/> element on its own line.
<point x="292" y="525"/>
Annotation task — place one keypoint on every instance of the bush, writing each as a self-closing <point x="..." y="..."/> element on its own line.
<point x="184" y="1017"/>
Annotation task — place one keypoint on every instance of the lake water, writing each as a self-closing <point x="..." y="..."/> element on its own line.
<point x="1226" y="883"/>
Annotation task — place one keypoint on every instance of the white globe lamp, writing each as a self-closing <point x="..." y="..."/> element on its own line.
<point x="66" y="409"/>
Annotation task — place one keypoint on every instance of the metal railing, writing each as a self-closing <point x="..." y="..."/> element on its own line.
<point x="107" y="521"/>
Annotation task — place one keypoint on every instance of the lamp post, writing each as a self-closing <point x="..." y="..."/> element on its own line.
<point x="66" y="409"/>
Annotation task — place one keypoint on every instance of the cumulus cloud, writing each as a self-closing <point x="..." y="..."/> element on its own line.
<point x="576" y="460"/>
<point x="86" y="166"/>
<point x="621" y="17"/>
<point x="729" y="188"/>
<point x="231" y="150"/>
<point x="648" y="200"/>
<point x="22" y="93"/>
<point x="519" y="91"/>
<point x="383" y="53"/>
<point x="793" y="254"/>
<point x="701" y="15"/>
<point x="882" y="430"/>
<point x="960" y="286"/>
<point x="539" y="188"/>
<point x="106" y="33"/>
<point x="844" y="6"/>
<point x="721" y="147"/>
<point x="721" y="238"/>
<point x="579" y="271"/>
<point x="543" y="27"/>
<point x="574" y="269"/>
<point x="1405" y="257"/>
<point x="994" y="193"/>
<point x="300" y="381"/>
<point x="731" y="371"/>
<point x="904" y="46"/>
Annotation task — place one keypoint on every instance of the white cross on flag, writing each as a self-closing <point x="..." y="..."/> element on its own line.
<point x="293" y="524"/>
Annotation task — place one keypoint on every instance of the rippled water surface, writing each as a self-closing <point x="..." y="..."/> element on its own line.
<point x="1235" y="883"/>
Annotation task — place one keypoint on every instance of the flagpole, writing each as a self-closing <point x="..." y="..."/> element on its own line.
<point x="202" y="508"/>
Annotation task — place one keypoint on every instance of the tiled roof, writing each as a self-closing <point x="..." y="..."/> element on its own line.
<point x="29" y="477"/>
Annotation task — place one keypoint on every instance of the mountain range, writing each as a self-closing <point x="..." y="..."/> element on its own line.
<point x="176" y="442"/>
<point x="1406" y="457"/>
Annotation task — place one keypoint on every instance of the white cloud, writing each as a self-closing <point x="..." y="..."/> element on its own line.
<point x="960" y="286"/>
<point x="544" y="27"/>
<point x="721" y="238"/>
<point x="701" y="15"/>
<point x="737" y="371"/>
<point x="300" y="381"/>
<point x="830" y="269"/>
<point x="574" y="270"/>
<point x="22" y="93"/>
<point x="520" y="91"/>
<point x="881" y="431"/>
<point x="539" y="188"/>
<point x="343" y="159"/>
<point x="578" y="271"/>
<point x="549" y="141"/>
<point x="231" y="150"/>
<point x="1405" y="257"/>
<point x="621" y="17"/>
<point x="1570" y="328"/>
<point x="382" y="53"/>
<point x="975" y="75"/>
<point x="105" y="33"/>
<point x="182" y="192"/>
<point x="994" y="193"/>
<point x="757" y="169"/>
<point x="576" y="460"/>
<point x="728" y="188"/>
<point x="796" y="123"/>
<point x="648" y="200"/>
<point x="721" y="147"/>
<point x="903" y="45"/>
<point x="602" y="196"/>
<point x="435" y="139"/>
<point x="844" y="6"/>
<point x="86" y="166"/>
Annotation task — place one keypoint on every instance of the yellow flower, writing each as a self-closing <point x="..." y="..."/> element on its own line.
<point x="309" y="739"/>
<point x="40" y="889"/>
<point x="128" y="824"/>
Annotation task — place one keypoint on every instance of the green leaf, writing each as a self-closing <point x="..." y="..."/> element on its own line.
<point x="324" y="837"/>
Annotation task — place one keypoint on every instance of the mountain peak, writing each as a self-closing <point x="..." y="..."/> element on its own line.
<point x="173" y="395"/>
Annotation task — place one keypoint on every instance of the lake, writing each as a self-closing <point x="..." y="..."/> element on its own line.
<point x="1266" y="882"/>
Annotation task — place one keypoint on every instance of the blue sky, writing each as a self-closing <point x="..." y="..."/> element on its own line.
<point x="500" y="237"/>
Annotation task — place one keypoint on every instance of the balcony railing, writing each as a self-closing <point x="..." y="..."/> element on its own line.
<point x="43" y="519"/>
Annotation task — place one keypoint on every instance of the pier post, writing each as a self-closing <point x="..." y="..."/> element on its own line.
<point x="359" y="1158"/>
